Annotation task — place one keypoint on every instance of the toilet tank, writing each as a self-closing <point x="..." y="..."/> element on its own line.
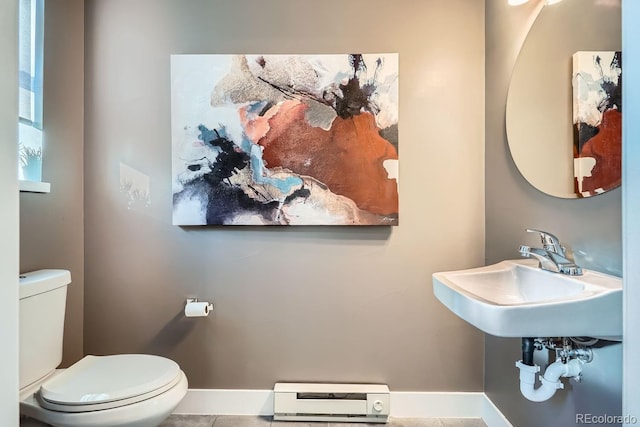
<point x="43" y="296"/>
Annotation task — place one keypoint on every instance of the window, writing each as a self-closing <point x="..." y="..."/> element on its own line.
<point x="30" y="58"/>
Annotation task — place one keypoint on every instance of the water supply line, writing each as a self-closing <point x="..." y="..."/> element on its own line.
<point x="568" y="364"/>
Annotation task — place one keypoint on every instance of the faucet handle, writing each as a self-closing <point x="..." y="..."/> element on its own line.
<point x="549" y="241"/>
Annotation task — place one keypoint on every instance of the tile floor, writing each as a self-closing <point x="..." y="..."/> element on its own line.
<point x="249" y="421"/>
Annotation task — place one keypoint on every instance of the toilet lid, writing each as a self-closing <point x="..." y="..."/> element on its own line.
<point x="102" y="379"/>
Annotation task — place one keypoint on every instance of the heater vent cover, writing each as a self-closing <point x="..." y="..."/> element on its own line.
<point x="331" y="402"/>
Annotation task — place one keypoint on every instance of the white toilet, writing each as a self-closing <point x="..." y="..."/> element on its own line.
<point x="127" y="390"/>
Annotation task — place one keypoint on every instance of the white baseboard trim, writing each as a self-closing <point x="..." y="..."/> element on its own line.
<point x="403" y="404"/>
<point x="492" y="416"/>
<point x="226" y="402"/>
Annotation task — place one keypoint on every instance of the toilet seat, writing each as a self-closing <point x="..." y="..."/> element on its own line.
<point x="104" y="382"/>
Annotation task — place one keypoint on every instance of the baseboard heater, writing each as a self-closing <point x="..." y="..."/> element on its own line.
<point x="331" y="402"/>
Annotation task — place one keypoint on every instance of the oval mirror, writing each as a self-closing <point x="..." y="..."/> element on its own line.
<point x="540" y="102"/>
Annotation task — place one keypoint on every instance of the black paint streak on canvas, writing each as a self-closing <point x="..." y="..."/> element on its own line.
<point x="224" y="200"/>
<point x="390" y="134"/>
<point x="357" y="63"/>
<point x="356" y="97"/>
<point x="266" y="108"/>
<point x="230" y="156"/>
<point x="583" y="132"/>
<point x="352" y="98"/>
<point x="301" y="192"/>
<point x="614" y="89"/>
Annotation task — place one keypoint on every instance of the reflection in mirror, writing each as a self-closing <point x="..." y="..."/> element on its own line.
<point x="542" y="138"/>
<point x="597" y="120"/>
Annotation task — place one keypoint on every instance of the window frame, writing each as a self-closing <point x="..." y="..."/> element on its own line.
<point x="30" y="88"/>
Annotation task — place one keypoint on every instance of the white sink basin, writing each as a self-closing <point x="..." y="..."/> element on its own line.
<point x="515" y="298"/>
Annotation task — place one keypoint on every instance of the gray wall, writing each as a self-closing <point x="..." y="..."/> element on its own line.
<point x="51" y="225"/>
<point x="590" y="227"/>
<point x="297" y="304"/>
<point x="9" y="212"/>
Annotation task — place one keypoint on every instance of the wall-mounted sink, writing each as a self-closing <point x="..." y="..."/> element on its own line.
<point x="515" y="298"/>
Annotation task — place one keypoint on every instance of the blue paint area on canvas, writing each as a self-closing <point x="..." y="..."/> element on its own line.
<point x="285" y="185"/>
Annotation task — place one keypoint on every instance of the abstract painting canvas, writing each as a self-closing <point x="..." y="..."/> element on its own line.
<point x="285" y="139"/>
<point x="597" y="119"/>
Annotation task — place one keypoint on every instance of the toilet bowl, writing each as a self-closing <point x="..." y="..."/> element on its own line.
<point x="125" y="390"/>
<point x="132" y="390"/>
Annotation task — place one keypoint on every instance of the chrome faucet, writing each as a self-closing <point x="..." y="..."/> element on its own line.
<point x="552" y="256"/>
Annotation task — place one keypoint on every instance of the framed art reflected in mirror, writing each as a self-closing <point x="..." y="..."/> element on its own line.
<point x="543" y="138"/>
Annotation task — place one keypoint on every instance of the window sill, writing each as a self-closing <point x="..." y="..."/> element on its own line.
<point x="34" y="187"/>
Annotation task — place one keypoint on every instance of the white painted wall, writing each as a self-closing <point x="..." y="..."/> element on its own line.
<point x="8" y="214"/>
<point x="630" y="207"/>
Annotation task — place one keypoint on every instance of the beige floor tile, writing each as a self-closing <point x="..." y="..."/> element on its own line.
<point x="463" y="422"/>
<point x="189" y="421"/>
<point x="415" y="422"/>
<point x="242" y="421"/>
<point x="358" y="424"/>
<point x="255" y="421"/>
<point x="299" y="424"/>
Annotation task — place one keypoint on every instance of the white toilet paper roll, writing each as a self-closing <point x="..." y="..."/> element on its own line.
<point x="197" y="309"/>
